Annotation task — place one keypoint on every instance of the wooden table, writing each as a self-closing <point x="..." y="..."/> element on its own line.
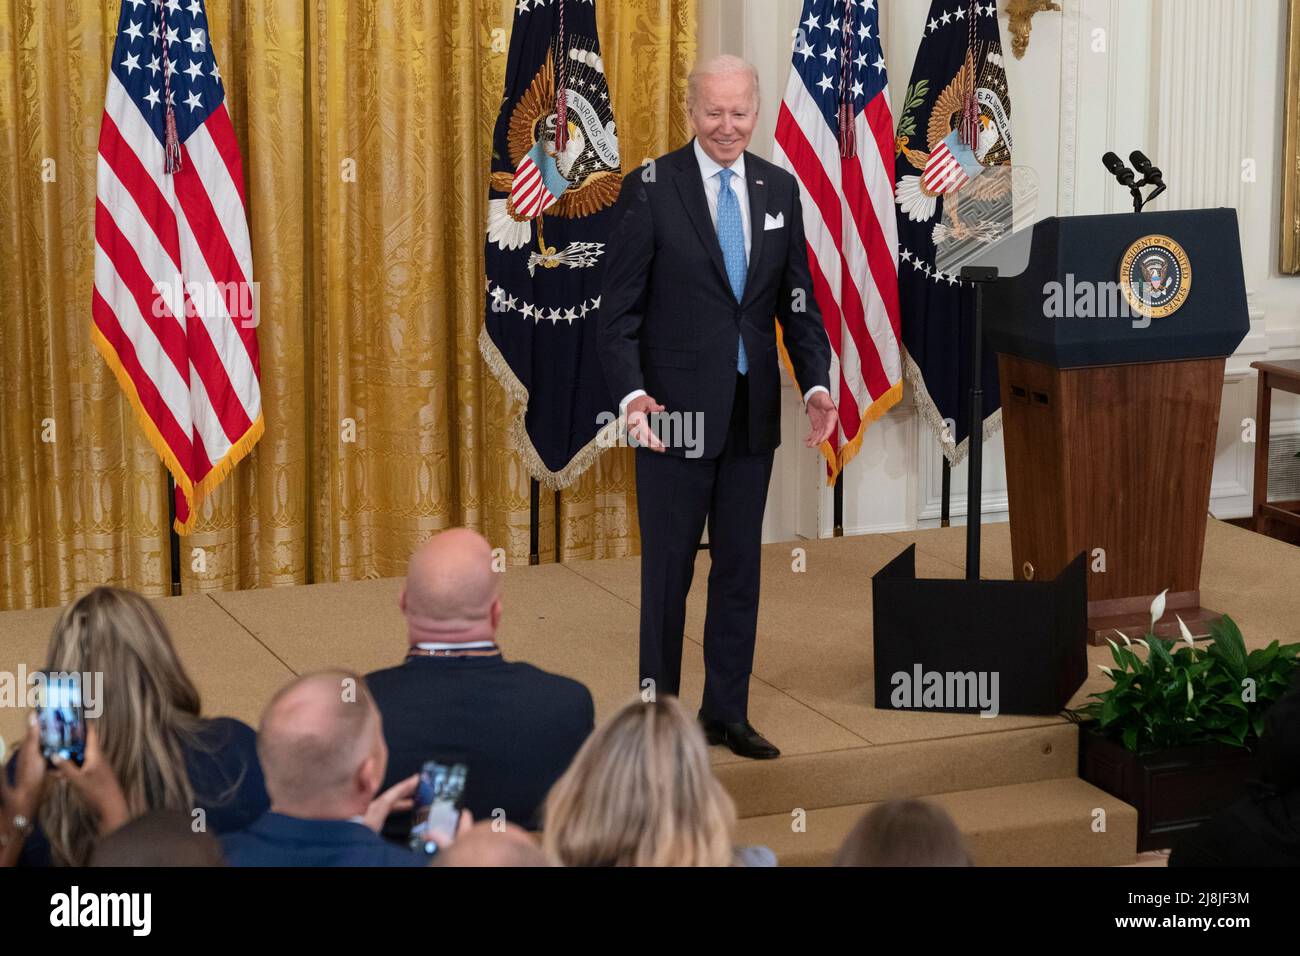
<point x="1284" y="376"/>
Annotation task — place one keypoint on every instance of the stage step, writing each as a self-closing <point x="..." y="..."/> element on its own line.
<point x="1043" y="823"/>
<point x="838" y="778"/>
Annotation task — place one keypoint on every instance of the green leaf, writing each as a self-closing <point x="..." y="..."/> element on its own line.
<point x="916" y="95"/>
<point x="1160" y="652"/>
<point x="1228" y="646"/>
<point x="1129" y="737"/>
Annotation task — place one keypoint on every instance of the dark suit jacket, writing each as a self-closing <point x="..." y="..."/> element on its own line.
<point x="668" y="316"/>
<point x="515" y="726"/>
<point x="274" y="839"/>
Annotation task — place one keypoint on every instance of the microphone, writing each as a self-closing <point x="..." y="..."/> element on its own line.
<point x="1143" y="166"/>
<point x="1118" y="169"/>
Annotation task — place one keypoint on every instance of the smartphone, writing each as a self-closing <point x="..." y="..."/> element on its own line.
<point x="439" y="797"/>
<point x="62" y="724"/>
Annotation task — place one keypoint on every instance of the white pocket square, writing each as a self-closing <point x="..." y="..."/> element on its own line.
<point x="773" y="222"/>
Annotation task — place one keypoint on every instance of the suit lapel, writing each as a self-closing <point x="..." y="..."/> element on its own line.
<point x="690" y="185"/>
<point x="757" y="215"/>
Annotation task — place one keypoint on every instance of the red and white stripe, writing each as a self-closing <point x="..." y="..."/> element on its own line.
<point x="848" y="213"/>
<point x="528" y="190"/>
<point x="942" y="172"/>
<point x="195" y="383"/>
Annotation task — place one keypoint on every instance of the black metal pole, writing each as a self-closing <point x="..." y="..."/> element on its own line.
<point x="839" y="505"/>
<point x="945" y="507"/>
<point x="173" y="539"/>
<point x="533" y="495"/>
<point x="975" y="458"/>
<point x="558" y="527"/>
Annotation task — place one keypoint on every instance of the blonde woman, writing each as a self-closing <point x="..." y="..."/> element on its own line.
<point x="163" y="754"/>
<point x="640" y="792"/>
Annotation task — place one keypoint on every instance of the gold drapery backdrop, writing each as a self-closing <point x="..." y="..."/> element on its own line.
<point x="366" y="131"/>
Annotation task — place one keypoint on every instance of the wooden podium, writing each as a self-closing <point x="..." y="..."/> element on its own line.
<point x="1110" y="415"/>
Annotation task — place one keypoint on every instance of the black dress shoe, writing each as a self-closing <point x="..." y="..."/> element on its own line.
<point x="741" y="737"/>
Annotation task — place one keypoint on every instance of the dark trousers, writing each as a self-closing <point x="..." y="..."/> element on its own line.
<point x="675" y="495"/>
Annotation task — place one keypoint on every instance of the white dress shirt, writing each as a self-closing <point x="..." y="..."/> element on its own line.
<point x="709" y="169"/>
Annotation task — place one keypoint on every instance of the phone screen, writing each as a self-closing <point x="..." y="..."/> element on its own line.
<point x="61" y="722"/>
<point x="439" y="797"/>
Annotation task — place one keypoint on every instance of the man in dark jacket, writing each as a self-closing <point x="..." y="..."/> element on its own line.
<point x="707" y="257"/>
<point x="321" y="745"/>
<point x="456" y="699"/>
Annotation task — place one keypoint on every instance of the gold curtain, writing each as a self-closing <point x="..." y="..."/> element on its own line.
<point x="366" y="131"/>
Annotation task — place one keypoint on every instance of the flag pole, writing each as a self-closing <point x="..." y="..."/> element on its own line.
<point x="838" y="531"/>
<point x="945" y="508"/>
<point x="533" y="498"/>
<point x="173" y="539"/>
<point x="558" y="534"/>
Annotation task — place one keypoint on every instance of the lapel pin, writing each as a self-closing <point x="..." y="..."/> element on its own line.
<point x="758" y="182"/>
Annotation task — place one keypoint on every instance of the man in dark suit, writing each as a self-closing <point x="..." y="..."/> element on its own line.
<point x="456" y="699"/>
<point x="707" y="247"/>
<point x="321" y="745"/>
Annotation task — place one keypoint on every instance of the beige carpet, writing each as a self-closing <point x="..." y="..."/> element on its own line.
<point x="812" y="686"/>
<point x="811" y="690"/>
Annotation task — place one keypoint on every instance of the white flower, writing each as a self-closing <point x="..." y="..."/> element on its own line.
<point x="1106" y="670"/>
<point x="1187" y="635"/>
<point x="1123" y="637"/>
<point x="1158" y="609"/>
<point x="1189" y="691"/>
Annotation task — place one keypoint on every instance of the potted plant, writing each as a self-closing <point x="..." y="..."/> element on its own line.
<point x="1174" y="734"/>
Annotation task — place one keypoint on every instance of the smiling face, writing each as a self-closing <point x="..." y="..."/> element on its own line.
<point x="723" y="113"/>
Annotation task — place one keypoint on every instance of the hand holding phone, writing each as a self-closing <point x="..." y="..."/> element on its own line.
<point x="439" y="797"/>
<point x="60" y="719"/>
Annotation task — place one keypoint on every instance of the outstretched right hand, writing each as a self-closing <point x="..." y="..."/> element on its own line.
<point x="638" y="422"/>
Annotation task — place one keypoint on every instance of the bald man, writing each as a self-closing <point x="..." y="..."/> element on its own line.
<point x="456" y="699"/>
<point x="321" y="746"/>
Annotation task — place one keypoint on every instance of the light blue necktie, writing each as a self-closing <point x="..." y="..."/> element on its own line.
<point x="731" y="236"/>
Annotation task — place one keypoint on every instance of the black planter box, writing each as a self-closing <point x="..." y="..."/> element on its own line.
<point x="1174" y="790"/>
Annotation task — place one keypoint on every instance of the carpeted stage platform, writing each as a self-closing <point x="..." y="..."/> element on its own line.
<point x="1010" y="782"/>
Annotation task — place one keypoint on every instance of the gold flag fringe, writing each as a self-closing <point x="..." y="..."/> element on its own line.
<point x="872" y="414"/>
<point x="523" y="445"/>
<point x="955" y="454"/>
<point x="193" y="493"/>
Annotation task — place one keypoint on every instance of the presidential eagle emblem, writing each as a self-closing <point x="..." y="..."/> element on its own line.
<point x="581" y="178"/>
<point x="949" y="163"/>
<point x="1155" y="275"/>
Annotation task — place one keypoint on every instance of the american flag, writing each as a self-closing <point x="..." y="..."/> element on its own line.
<point x="173" y="305"/>
<point x="835" y="133"/>
<point x="952" y="164"/>
<point x="531" y="189"/>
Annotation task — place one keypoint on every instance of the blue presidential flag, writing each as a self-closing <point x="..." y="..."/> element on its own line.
<point x="955" y="123"/>
<point x="555" y="178"/>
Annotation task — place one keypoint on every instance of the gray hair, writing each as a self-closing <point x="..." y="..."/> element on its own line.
<point x="723" y="65"/>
